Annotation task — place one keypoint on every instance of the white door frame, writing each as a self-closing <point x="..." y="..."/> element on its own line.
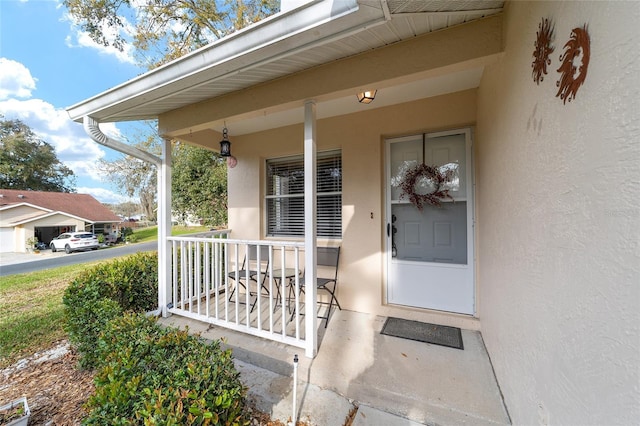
<point x="470" y="182"/>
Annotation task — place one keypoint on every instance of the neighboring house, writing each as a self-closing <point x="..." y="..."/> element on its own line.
<point x="540" y="248"/>
<point x="45" y="215"/>
<point x="186" y="220"/>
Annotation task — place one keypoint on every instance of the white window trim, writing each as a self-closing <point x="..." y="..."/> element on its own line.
<point x="267" y="181"/>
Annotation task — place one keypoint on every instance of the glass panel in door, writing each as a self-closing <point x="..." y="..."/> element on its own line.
<point x="430" y="248"/>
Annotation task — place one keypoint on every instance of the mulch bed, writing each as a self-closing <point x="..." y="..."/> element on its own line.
<point x="57" y="390"/>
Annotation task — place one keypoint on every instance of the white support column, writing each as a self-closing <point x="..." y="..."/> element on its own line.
<point x="310" y="229"/>
<point x="164" y="228"/>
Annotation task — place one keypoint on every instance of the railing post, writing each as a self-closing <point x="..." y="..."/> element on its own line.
<point x="164" y="228"/>
<point x="310" y="229"/>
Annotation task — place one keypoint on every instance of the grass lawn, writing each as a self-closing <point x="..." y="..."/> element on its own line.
<point x="144" y="235"/>
<point x="31" y="309"/>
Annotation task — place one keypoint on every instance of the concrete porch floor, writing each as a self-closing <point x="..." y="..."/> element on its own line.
<point x="390" y="381"/>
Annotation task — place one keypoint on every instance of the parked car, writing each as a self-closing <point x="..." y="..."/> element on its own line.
<point x="74" y="241"/>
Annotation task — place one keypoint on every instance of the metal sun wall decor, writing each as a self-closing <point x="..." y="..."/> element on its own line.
<point x="543" y="50"/>
<point x="575" y="61"/>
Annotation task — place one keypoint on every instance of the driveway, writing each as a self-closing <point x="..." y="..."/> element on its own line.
<point x="20" y="263"/>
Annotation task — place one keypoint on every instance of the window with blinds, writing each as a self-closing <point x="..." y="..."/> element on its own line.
<point x="285" y="195"/>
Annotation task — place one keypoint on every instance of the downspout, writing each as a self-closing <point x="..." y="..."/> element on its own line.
<point x="91" y="127"/>
<point x="163" y="167"/>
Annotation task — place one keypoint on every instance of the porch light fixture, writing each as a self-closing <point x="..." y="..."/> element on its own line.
<point x="366" y="97"/>
<point x="225" y="145"/>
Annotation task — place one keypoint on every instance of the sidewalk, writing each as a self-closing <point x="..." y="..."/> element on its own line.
<point x="14" y="258"/>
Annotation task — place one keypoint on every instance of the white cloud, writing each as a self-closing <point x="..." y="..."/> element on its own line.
<point x="105" y="196"/>
<point x="73" y="146"/>
<point x="81" y="39"/>
<point x="15" y="80"/>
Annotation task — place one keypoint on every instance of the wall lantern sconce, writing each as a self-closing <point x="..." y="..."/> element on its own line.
<point x="225" y="145"/>
<point x="367" y="97"/>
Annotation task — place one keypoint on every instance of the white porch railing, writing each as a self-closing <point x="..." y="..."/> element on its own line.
<point x="268" y="305"/>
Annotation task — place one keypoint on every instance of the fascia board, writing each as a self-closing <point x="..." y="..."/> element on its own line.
<point x="13" y="206"/>
<point x="53" y="213"/>
<point x="311" y="25"/>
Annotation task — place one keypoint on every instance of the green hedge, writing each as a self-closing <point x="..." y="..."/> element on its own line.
<point x="147" y="375"/>
<point x="104" y="292"/>
<point x="154" y="375"/>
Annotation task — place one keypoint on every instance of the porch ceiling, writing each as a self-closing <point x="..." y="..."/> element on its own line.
<point x="321" y="32"/>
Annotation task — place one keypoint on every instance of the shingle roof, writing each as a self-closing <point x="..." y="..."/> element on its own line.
<point x="81" y="205"/>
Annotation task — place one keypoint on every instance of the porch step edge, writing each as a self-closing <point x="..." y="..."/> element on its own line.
<point x="269" y="355"/>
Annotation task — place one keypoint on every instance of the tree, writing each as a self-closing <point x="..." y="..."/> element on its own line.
<point x="29" y="163"/>
<point x="162" y="30"/>
<point x="199" y="185"/>
<point x="135" y="177"/>
<point x="125" y="210"/>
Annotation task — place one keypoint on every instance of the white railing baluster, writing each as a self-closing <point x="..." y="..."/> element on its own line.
<point x="197" y="274"/>
<point x="190" y="274"/>
<point x="174" y="272"/>
<point x="226" y="282"/>
<point x="216" y="274"/>
<point x="201" y="267"/>
<point x="183" y="274"/>
<point x="247" y="281"/>
<point x="283" y="288"/>
<point x="270" y="276"/>
<point x="259" y="287"/>
<point x="206" y="271"/>
<point x="297" y="292"/>
<point x="235" y="283"/>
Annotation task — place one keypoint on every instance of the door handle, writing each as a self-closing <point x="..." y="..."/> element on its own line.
<point x="388" y="229"/>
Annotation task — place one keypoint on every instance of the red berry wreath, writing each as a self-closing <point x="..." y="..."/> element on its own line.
<point x="433" y="175"/>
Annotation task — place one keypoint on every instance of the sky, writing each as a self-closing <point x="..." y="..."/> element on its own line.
<point x="46" y="65"/>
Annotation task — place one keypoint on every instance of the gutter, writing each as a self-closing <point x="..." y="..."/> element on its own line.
<point x="314" y="24"/>
<point x="91" y="127"/>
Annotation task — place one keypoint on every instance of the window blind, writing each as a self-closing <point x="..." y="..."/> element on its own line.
<point x="285" y="195"/>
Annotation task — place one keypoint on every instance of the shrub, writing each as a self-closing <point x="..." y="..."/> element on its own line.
<point x="125" y="232"/>
<point x="100" y="238"/>
<point x="102" y="293"/>
<point x="153" y="375"/>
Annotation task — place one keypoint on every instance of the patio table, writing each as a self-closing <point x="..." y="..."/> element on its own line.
<point x="278" y="276"/>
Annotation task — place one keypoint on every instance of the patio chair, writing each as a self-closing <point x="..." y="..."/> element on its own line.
<point x="330" y="257"/>
<point x="253" y="270"/>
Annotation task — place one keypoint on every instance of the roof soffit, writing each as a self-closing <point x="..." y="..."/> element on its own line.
<point x="320" y="32"/>
<point x="251" y="46"/>
<point x="430" y="55"/>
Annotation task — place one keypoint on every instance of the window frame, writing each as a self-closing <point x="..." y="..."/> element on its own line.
<point x="335" y="232"/>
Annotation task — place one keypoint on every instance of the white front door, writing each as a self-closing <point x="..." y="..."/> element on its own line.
<point x="430" y="251"/>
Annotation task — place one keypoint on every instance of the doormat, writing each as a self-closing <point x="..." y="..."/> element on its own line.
<point x="423" y="332"/>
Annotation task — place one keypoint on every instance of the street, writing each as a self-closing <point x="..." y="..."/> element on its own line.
<point x="54" y="260"/>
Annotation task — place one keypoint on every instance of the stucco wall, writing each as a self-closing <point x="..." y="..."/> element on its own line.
<point x="558" y="190"/>
<point x="18" y="214"/>
<point x="360" y="137"/>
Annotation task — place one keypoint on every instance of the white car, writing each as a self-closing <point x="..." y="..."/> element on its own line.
<point x="74" y="241"/>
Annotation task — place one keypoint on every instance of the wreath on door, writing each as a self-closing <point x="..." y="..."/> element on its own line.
<point x="433" y="175"/>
